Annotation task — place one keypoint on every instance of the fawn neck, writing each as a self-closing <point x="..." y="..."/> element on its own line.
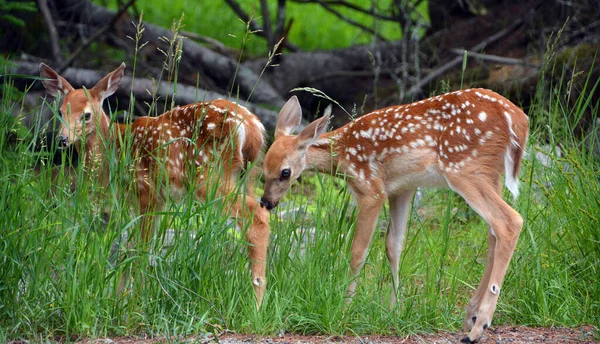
<point x="98" y="142"/>
<point x="322" y="154"/>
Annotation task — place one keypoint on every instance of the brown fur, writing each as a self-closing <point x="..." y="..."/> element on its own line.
<point x="465" y="140"/>
<point x="180" y="151"/>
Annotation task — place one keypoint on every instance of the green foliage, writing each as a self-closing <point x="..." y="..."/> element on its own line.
<point x="11" y="127"/>
<point x="63" y="260"/>
<point x="216" y="19"/>
<point x="7" y="9"/>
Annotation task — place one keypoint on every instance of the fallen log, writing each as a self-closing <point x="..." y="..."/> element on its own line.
<point x="223" y="70"/>
<point x="144" y="90"/>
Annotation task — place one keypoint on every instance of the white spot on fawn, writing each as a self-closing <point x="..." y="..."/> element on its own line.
<point x="482" y="116"/>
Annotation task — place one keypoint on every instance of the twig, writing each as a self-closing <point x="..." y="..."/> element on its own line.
<point x="416" y="88"/>
<point x="406" y="9"/>
<point x="351" y="6"/>
<point x="348" y="73"/>
<point x="52" y="33"/>
<point x="136" y="11"/>
<point x="582" y="31"/>
<point x="348" y="20"/>
<point x="95" y="36"/>
<point x="185" y="94"/>
<point x="253" y="26"/>
<point x="280" y="20"/>
<point x="267" y="24"/>
<point x="216" y="44"/>
<point x="494" y="58"/>
<point x="243" y="15"/>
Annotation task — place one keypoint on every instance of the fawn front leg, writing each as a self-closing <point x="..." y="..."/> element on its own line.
<point x="256" y="219"/>
<point x="369" y="208"/>
<point x="258" y="236"/>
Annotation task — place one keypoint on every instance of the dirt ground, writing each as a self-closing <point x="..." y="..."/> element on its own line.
<point x="499" y="335"/>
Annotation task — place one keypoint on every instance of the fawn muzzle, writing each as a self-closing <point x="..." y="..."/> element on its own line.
<point x="265" y="203"/>
<point x="62" y="141"/>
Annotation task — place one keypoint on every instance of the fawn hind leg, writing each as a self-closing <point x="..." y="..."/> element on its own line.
<point x="394" y="242"/>
<point x="473" y="306"/>
<point x="505" y="226"/>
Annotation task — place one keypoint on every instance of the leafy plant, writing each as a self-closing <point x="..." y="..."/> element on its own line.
<point x="6" y="7"/>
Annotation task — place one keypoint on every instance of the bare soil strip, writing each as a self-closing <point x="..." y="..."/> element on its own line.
<point x="498" y="335"/>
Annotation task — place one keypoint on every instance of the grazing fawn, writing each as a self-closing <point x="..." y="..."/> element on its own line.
<point x="465" y="140"/>
<point x="173" y="154"/>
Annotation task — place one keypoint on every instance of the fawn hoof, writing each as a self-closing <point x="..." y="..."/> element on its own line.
<point x="475" y="335"/>
<point x="260" y="285"/>
<point x="467" y="340"/>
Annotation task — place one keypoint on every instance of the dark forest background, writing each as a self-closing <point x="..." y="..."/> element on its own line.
<point x="409" y="49"/>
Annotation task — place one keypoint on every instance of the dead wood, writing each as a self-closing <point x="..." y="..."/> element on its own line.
<point x="86" y="43"/>
<point x="146" y="91"/>
<point x="196" y="59"/>
<point x="52" y="32"/>
<point x="441" y="70"/>
<point x="494" y="58"/>
<point x="265" y="31"/>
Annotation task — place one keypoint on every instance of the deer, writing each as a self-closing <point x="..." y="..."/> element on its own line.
<point x="465" y="140"/>
<point x="173" y="154"/>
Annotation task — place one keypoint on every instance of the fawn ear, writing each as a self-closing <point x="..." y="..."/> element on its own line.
<point x="289" y="117"/>
<point x="311" y="133"/>
<point x="54" y="83"/>
<point x="110" y="83"/>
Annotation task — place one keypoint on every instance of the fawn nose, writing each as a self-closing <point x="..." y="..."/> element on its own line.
<point x="265" y="203"/>
<point x="62" y="141"/>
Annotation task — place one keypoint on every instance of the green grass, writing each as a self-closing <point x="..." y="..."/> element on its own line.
<point x="60" y="272"/>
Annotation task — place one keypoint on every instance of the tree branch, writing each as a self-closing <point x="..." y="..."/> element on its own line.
<point x="95" y="36"/>
<point x="348" y="20"/>
<point x="196" y="60"/>
<point x="267" y="24"/>
<point x="52" y="33"/>
<point x="416" y="88"/>
<point x="494" y="58"/>
<point x="145" y="89"/>
<point x="217" y="45"/>
<point x="280" y="22"/>
<point x="350" y="6"/>
<point x="253" y="26"/>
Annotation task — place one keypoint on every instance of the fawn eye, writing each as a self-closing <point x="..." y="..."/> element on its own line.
<point x="285" y="174"/>
<point x="87" y="116"/>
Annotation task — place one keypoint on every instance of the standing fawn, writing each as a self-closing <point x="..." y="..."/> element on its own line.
<point x="465" y="140"/>
<point x="173" y="154"/>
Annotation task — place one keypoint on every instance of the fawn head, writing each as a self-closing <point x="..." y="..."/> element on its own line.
<point x="286" y="158"/>
<point x="81" y="109"/>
